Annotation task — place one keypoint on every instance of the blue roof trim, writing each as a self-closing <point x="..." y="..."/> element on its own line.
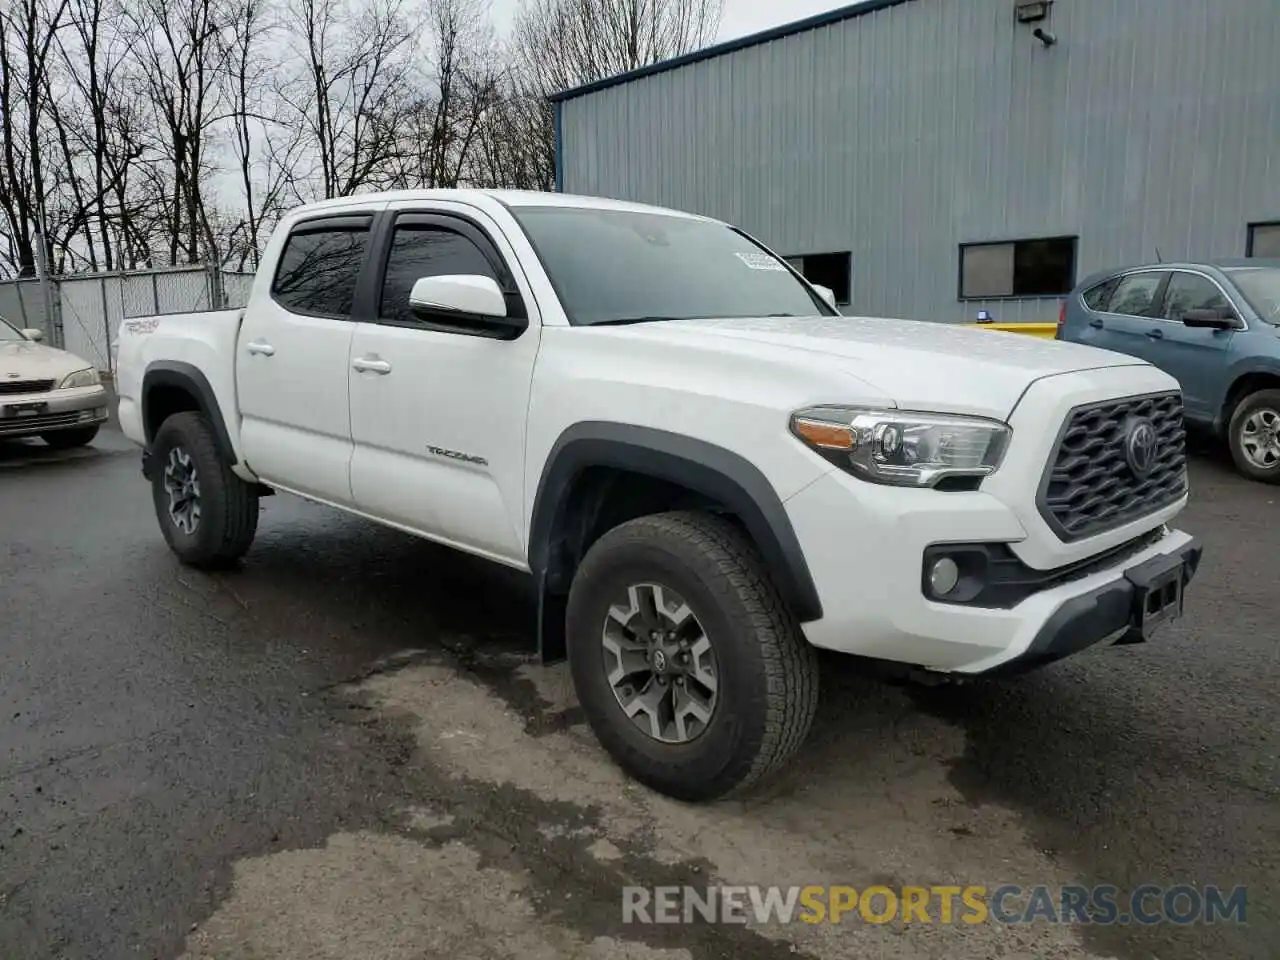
<point x="559" y="145"/>
<point x="731" y="46"/>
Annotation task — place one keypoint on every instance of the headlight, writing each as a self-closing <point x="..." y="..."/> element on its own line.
<point x="81" y="378"/>
<point x="900" y="447"/>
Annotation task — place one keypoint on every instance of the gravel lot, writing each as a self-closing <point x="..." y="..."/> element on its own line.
<point x="344" y="750"/>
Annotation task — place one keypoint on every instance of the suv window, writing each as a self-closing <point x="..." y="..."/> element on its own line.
<point x="318" y="270"/>
<point x="1097" y="297"/>
<point x="419" y="251"/>
<point x="1191" y="291"/>
<point x="1135" y="295"/>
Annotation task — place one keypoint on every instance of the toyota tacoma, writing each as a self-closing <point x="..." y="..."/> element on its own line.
<point x="707" y="470"/>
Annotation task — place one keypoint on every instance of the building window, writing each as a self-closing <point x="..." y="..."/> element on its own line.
<point x="828" y="270"/>
<point x="1018" y="268"/>
<point x="1264" y="241"/>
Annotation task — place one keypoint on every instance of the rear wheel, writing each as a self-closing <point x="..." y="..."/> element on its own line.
<point x="1254" y="436"/>
<point x="691" y="671"/>
<point x="66" y="439"/>
<point x="207" y="514"/>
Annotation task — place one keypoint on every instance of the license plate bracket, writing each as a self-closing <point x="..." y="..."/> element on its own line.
<point x="17" y="411"/>
<point x="1158" y="592"/>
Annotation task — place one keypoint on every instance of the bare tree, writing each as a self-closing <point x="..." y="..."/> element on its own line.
<point x="352" y="89"/>
<point x="27" y="31"/>
<point x="177" y="46"/>
<point x="566" y="43"/>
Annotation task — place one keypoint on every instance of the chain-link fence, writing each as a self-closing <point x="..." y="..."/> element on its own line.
<point x="82" y="313"/>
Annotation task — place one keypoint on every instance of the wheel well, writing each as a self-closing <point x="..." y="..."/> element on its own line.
<point x="601" y="498"/>
<point x="162" y="402"/>
<point x="1249" y="383"/>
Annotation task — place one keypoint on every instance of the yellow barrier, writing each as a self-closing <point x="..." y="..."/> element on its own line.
<point x="1047" y="330"/>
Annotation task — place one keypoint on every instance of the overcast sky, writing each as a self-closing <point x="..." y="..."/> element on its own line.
<point x="740" y="16"/>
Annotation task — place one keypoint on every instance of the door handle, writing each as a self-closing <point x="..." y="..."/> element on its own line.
<point x="1095" y="323"/>
<point x="371" y="365"/>
<point x="1155" y="334"/>
<point x="259" y="347"/>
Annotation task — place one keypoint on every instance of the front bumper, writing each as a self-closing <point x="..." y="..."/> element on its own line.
<point x="28" y="415"/>
<point x="865" y="545"/>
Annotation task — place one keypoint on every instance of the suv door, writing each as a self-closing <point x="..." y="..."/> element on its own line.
<point x="438" y="413"/>
<point x="1196" y="356"/>
<point x="1123" y="323"/>
<point x="293" y="356"/>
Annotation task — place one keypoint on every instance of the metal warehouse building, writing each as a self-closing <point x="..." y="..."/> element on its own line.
<point x="934" y="158"/>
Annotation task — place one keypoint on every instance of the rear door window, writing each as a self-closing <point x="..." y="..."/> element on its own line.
<point x="319" y="268"/>
<point x="1137" y="295"/>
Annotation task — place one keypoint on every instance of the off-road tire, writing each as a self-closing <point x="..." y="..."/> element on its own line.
<point x="768" y="672"/>
<point x="1248" y="405"/>
<point x="229" y="506"/>
<point x="67" y="439"/>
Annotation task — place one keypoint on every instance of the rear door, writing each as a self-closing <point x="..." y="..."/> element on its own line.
<point x="293" y="358"/>
<point x="438" y="413"/>
<point x="1197" y="357"/>
<point x="1124" y="323"/>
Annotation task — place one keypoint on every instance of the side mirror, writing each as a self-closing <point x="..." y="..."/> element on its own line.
<point x="33" y="334"/>
<point x="827" y="294"/>
<point x="465" y="300"/>
<point x="1220" y="318"/>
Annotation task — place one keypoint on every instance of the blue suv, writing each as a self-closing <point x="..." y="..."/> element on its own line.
<point x="1214" y="326"/>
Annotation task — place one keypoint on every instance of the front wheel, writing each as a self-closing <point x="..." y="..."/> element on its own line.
<point x="690" y="669"/>
<point x="1254" y="436"/>
<point x="207" y="514"/>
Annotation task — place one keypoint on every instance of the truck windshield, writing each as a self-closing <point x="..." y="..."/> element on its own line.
<point x="8" y="332"/>
<point x="623" y="266"/>
<point x="1261" y="287"/>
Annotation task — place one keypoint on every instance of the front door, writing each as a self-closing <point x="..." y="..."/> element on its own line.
<point x="438" y="413"/>
<point x="293" y="357"/>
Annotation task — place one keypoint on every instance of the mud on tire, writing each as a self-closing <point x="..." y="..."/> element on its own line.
<point x="766" y="687"/>
<point x="186" y="464"/>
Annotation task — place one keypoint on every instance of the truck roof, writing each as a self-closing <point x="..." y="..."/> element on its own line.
<point x="509" y="198"/>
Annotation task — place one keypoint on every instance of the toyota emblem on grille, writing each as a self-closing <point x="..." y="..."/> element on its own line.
<point x="1140" y="447"/>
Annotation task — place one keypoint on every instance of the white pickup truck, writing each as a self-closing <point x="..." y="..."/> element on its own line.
<point x="707" y="469"/>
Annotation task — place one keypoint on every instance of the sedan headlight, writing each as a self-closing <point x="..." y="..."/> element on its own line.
<point x="81" y="378"/>
<point x="903" y="448"/>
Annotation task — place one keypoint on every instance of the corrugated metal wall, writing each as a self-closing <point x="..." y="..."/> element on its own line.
<point x="900" y="134"/>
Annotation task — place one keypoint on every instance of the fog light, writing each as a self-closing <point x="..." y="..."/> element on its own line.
<point x="943" y="577"/>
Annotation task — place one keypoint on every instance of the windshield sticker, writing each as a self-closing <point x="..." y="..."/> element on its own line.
<point x="760" y="261"/>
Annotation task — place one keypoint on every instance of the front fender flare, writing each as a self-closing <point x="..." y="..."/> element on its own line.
<point x="702" y="467"/>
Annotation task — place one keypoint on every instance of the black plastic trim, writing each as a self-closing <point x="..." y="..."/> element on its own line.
<point x="1092" y="617"/>
<point x="174" y="373"/>
<point x="992" y="576"/>
<point x="694" y="464"/>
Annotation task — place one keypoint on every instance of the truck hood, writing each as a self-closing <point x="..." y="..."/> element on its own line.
<point x="27" y="360"/>
<point x="945" y="368"/>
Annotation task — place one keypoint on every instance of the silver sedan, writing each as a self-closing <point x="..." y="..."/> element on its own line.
<point x="47" y="393"/>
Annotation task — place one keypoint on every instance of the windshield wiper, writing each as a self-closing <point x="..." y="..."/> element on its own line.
<point x="626" y="321"/>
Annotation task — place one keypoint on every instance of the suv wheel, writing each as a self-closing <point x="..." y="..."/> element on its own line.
<point x="691" y="671"/>
<point x="1254" y="436"/>
<point x="208" y="515"/>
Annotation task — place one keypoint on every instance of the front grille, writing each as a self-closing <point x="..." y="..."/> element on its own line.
<point x="1090" y="487"/>
<point x="11" y="387"/>
<point x="25" y="426"/>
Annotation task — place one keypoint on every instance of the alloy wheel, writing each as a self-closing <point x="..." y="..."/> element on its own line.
<point x="182" y="484"/>
<point x="660" y="663"/>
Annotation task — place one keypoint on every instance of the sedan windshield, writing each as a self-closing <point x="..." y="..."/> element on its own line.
<point x="1261" y="287"/>
<point x="623" y="266"/>
<point x="9" y="332"/>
